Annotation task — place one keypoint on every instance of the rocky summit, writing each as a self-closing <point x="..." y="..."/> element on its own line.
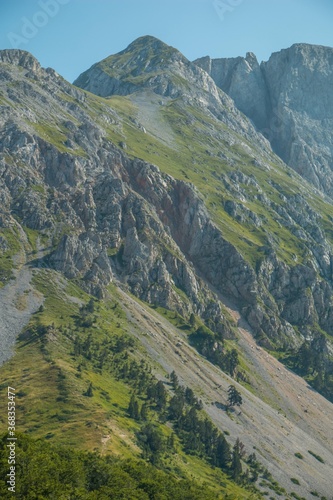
<point x="175" y="217"/>
<point x="289" y="99"/>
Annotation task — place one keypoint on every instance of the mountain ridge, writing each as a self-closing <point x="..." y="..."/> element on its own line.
<point x="289" y="100"/>
<point x="89" y="188"/>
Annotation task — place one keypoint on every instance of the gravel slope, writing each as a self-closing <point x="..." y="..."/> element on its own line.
<point x="275" y="429"/>
<point x="18" y="301"/>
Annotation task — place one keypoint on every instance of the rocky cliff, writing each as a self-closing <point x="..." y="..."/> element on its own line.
<point x="289" y="99"/>
<point x="232" y="219"/>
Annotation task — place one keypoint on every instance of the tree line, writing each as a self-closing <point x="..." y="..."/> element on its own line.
<point x="46" y="471"/>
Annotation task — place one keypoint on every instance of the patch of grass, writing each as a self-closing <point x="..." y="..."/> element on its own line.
<point x="112" y="251"/>
<point x="172" y="316"/>
<point x="55" y="135"/>
<point x="33" y="235"/>
<point x="38" y="188"/>
<point x="13" y="246"/>
<point x="57" y="309"/>
<point x="297" y="497"/>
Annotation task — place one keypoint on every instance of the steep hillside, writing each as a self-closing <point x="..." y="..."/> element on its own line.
<point x="161" y="200"/>
<point x="278" y="225"/>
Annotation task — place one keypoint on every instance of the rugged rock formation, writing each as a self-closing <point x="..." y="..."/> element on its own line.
<point x="289" y="99"/>
<point x="111" y="214"/>
<point x="150" y="64"/>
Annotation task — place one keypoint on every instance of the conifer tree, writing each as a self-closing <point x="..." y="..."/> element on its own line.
<point x="144" y="412"/>
<point x="161" y="395"/>
<point x="133" y="408"/>
<point x="234" y="396"/>
<point x="236" y="465"/>
<point x="174" y="380"/>
<point x="222" y="454"/>
<point x="89" y="391"/>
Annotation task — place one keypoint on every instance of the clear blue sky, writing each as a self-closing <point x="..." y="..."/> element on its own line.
<point x="71" y="35"/>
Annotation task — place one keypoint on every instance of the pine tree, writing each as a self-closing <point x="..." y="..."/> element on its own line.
<point x="222" y="454"/>
<point x="236" y="465"/>
<point x="174" y="380"/>
<point x="133" y="408"/>
<point x="189" y="421"/>
<point x="161" y="395"/>
<point x="232" y="360"/>
<point x="176" y="406"/>
<point x="152" y="441"/>
<point x="144" y="412"/>
<point x="89" y="391"/>
<point x="171" y="441"/>
<point x="239" y="446"/>
<point x="192" y="320"/>
<point x="90" y="307"/>
<point x="189" y="396"/>
<point x="305" y="358"/>
<point x="234" y="396"/>
<point x="151" y="391"/>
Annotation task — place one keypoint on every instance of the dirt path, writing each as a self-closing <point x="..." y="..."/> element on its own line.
<point x="275" y="431"/>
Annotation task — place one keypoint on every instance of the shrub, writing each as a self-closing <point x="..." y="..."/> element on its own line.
<point x="317" y="457"/>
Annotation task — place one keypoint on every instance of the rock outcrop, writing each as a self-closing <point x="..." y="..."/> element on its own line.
<point x="289" y="99"/>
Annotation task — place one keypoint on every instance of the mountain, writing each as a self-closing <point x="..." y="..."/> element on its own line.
<point x="289" y="99"/>
<point x="148" y="227"/>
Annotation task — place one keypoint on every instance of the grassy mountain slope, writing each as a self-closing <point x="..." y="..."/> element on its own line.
<point x="52" y="381"/>
<point x="83" y="206"/>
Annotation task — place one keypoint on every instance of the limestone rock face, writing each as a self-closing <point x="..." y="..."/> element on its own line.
<point x="241" y="78"/>
<point x="16" y="57"/>
<point x="110" y="215"/>
<point x="289" y="98"/>
<point x="299" y="82"/>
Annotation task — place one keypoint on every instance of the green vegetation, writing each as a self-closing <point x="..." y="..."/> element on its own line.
<point x="312" y="364"/>
<point x="126" y="64"/>
<point x="297" y="497"/>
<point x="81" y="362"/>
<point x="44" y="470"/>
<point x="188" y="160"/>
<point x="56" y="135"/>
<point x="78" y="354"/>
<point x="10" y="240"/>
<point x="317" y="457"/>
<point x="234" y="396"/>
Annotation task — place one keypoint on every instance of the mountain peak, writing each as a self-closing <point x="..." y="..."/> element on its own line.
<point x="143" y="42"/>
<point x="125" y="72"/>
<point x="142" y="54"/>
<point x="20" y="58"/>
